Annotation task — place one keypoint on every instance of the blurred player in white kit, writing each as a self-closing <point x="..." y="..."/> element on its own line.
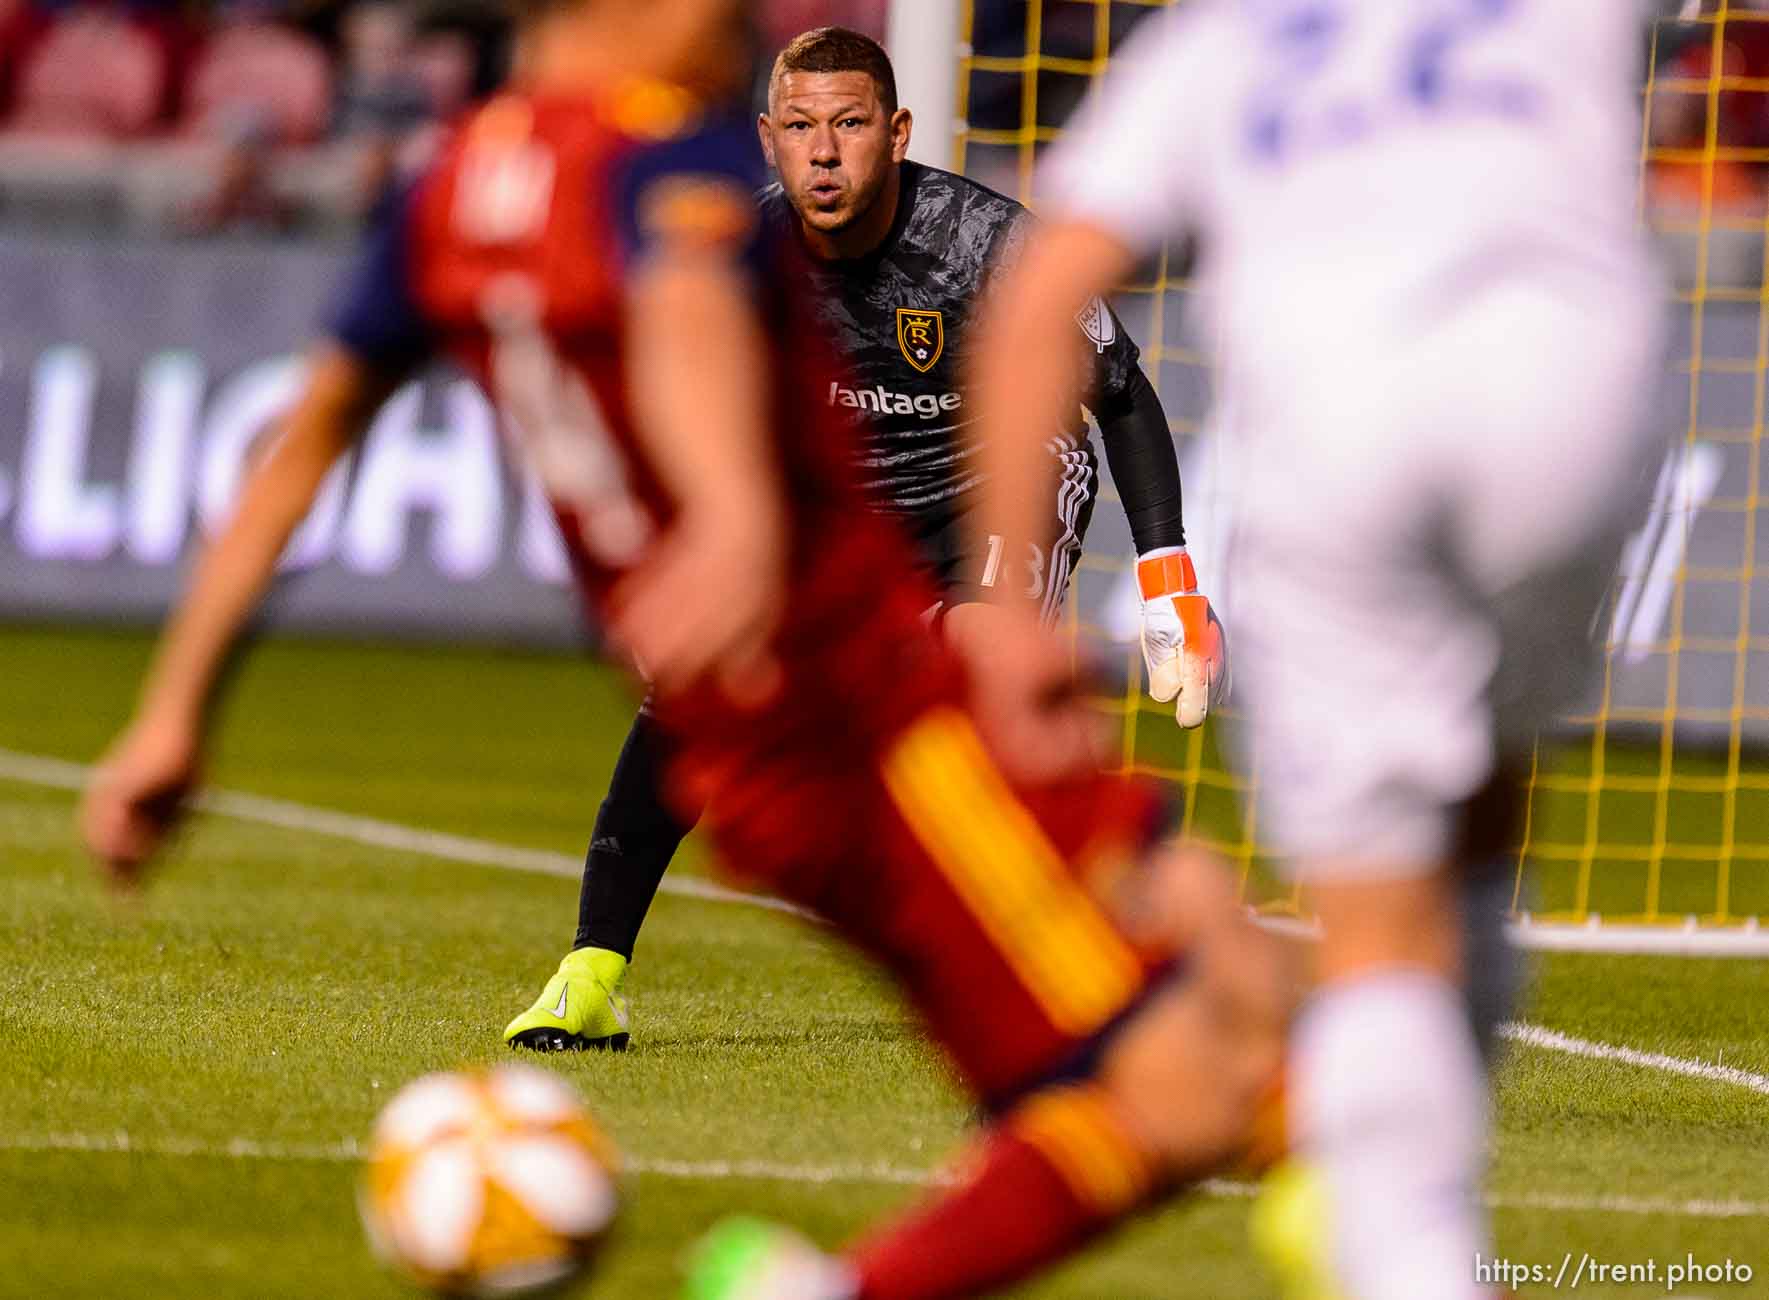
<point x="1438" y="326"/>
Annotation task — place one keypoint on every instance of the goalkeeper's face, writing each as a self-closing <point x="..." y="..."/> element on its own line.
<point x="834" y="144"/>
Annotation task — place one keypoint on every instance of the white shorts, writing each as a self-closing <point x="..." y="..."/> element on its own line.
<point x="1427" y="532"/>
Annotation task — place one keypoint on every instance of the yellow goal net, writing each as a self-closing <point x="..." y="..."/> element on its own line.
<point x="1648" y="809"/>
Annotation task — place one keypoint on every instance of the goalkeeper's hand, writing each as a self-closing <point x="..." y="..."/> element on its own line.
<point x="1182" y="640"/>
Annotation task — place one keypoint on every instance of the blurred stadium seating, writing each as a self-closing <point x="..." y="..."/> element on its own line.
<point x="272" y="115"/>
<point x="139" y="116"/>
<point x="154" y="116"/>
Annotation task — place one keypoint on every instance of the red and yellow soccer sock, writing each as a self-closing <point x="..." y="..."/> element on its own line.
<point x="1269" y="1141"/>
<point x="1053" y="1174"/>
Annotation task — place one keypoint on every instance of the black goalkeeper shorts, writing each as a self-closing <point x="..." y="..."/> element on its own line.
<point x="965" y="566"/>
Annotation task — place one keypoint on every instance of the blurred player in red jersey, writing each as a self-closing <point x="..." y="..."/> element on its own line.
<point x="588" y="247"/>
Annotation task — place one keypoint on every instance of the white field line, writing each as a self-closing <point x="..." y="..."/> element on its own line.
<point x="815" y="1175"/>
<point x="1553" y="1041"/>
<point x="34" y="769"/>
<point x="1748" y="940"/>
<point x="349" y="1150"/>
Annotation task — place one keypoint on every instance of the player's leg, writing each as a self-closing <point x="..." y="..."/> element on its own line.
<point x="1394" y="940"/>
<point x="998" y="909"/>
<point x="1398" y="589"/>
<point x="1173" y="1098"/>
<point x="1366" y="667"/>
<point x="1293" y="1203"/>
<point x="1494" y="968"/>
<point x="1063" y="1167"/>
<point x="636" y="835"/>
<point x="635" y="838"/>
<point x="1169" y="1098"/>
<point x="1400" y="1147"/>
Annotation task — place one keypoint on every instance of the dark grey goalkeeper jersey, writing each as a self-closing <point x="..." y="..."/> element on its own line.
<point x="902" y="317"/>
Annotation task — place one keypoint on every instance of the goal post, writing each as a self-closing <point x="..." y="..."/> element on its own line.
<point x="923" y="41"/>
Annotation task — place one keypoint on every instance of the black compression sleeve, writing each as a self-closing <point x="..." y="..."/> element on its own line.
<point x="1139" y="448"/>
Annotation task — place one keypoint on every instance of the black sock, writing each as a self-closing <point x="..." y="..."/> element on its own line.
<point x="1496" y="972"/>
<point x="631" y="847"/>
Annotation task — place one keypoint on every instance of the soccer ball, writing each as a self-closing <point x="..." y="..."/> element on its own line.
<point x="488" y="1184"/>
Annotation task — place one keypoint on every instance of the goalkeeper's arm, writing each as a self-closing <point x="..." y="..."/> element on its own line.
<point x="1139" y="448"/>
<point x="1029" y="368"/>
<point x="1182" y="640"/>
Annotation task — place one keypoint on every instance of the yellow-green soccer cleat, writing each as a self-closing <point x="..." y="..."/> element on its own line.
<point x="580" y="1008"/>
<point x="750" y="1259"/>
<point x="1289" y="1226"/>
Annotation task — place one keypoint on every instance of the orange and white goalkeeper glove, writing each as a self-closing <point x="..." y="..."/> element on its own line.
<point x="1182" y="640"/>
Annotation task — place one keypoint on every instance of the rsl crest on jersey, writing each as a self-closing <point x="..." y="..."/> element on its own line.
<point x="922" y="336"/>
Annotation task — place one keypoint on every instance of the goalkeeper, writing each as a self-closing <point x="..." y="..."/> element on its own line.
<point x="902" y="256"/>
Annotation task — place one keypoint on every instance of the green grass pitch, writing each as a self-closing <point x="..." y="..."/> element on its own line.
<point x="253" y="1014"/>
